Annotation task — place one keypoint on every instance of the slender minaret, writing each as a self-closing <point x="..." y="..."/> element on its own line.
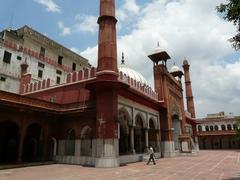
<point x="107" y="45"/>
<point x="106" y="149"/>
<point x="188" y="86"/>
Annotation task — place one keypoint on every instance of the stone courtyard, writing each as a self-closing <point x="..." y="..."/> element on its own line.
<point x="208" y="165"/>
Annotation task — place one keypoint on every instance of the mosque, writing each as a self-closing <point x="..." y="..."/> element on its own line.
<point x="102" y="117"/>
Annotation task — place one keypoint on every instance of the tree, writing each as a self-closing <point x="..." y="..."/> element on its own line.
<point x="231" y="12"/>
<point x="238" y="130"/>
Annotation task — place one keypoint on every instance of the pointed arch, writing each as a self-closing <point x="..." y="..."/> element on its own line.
<point x="124" y="130"/>
<point x="70" y="142"/>
<point x="86" y="141"/>
<point x="139" y="134"/>
<point x="9" y="141"/>
<point x="176" y="130"/>
<point x="33" y="143"/>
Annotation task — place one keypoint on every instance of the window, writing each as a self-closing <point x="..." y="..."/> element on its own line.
<point x="235" y="126"/>
<point x="60" y="58"/>
<point x="40" y="73"/>
<point x="74" y="66"/>
<point x="41" y="65"/>
<point x="199" y="128"/>
<point x="211" y="128"/>
<point x="59" y="72"/>
<point x="19" y="58"/>
<point x="7" y="57"/>
<point x="3" y="79"/>
<point x="207" y="128"/>
<point x="216" y="128"/>
<point x="58" y="80"/>
<point x="42" y="52"/>
<point x="229" y="127"/>
<point x="223" y="127"/>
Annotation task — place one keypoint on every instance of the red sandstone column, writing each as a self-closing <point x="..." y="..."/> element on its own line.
<point x="45" y="144"/>
<point x="189" y="95"/>
<point x="158" y="139"/>
<point x="21" y="141"/>
<point x="132" y="139"/>
<point x="146" y="140"/>
<point x="107" y="46"/>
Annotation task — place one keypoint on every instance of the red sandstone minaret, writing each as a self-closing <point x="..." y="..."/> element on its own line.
<point x="189" y="95"/>
<point x="106" y="89"/>
<point x="107" y="46"/>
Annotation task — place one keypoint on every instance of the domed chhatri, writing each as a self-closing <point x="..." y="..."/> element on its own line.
<point x="176" y="72"/>
<point x="131" y="72"/>
<point x="159" y="54"/>
<point x="185" y="62"/>
<point x="174" y="69"/>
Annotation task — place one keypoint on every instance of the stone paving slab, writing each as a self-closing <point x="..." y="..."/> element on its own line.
<point x="209" y="165"/>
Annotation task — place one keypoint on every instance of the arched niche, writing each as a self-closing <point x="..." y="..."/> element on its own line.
<point x="124" y="131"/>
<point x="9" y="142"/>
<point x="70" y="142"/>
<point x="33" y="143"/>
<point x="152" y="133"/>
<point x="139" y="141"/>
<point x="176" y="125"/>
<point x="86" y="141"/>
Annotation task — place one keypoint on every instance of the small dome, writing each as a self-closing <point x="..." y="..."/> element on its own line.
<point x="157" y="50"/>
<point x="175" y="69"/>
<point x="132" y="73"/>
<point x="185" y="62"/>
<point x="159" y="54"/>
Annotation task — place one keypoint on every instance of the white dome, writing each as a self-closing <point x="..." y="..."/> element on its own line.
<point x="157" y="50"/>
<point x="174" y="69"/>
<point x="132" y="74"/>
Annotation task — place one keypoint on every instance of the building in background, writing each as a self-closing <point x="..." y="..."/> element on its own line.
<point x="102" y="117"/>
<point x="44" y="57"/>
<point x="217" y="131"/>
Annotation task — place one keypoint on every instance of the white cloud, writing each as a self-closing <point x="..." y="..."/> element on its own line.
<point x="131" y="6"/>
<point x="86" y="23"/>
<point x="128" y="10"/>
<point x="219" y="88"/>
<point x="185" y="28"/>
<point x="64" y="30"/>
<point x="76" y="50"/>
<point x="91" y="54"/>
<point x="83" y="23"/>
<point x="50" y="5"/>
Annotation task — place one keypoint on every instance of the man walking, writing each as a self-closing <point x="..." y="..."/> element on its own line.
<point x="152" y="156"/>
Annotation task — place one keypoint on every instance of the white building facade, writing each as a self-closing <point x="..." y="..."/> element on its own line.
<point x="45" y="58"/>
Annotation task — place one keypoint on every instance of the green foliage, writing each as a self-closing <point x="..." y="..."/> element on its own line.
<point x="231" y="12"/>
<point x="238" y="130"/>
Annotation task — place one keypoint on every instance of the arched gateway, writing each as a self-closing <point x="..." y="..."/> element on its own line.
<point x="9" y="142"/>
<point x="124" y="140"/>
<point x="33" y="143"/>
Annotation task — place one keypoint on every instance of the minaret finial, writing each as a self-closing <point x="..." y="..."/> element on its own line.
<point x="123" y="59"/>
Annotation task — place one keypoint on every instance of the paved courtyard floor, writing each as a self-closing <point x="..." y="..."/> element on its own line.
<point x="207" y="165"/>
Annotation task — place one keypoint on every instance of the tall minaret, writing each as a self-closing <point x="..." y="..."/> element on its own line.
<point x="107" y="45"/>
<point x="189" y="95"/>
<point x="106" y="151"/>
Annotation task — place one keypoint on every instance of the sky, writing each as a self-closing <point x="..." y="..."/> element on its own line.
<point x="188" y="29"/>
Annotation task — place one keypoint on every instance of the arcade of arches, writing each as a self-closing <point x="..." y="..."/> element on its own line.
<point x="137" y="135"/>
<point x="219" y="142"/>
<point x="17" y="146"/>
